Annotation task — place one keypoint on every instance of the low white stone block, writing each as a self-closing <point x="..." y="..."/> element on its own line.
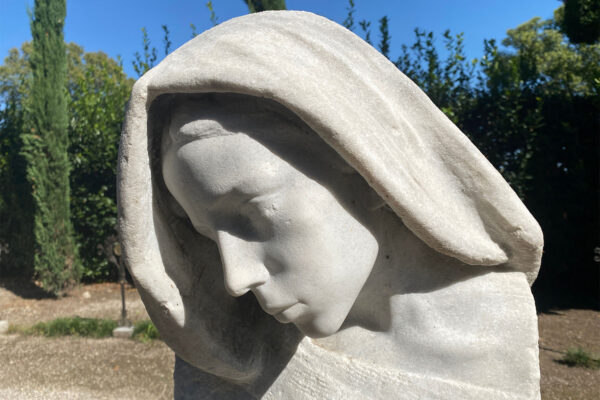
<point x="3" y="327"/>
<point x="124" y="332"/>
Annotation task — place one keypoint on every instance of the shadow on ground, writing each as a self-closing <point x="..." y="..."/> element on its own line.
<point x="24" y="288"/>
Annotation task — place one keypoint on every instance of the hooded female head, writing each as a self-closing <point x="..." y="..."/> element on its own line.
<point x="196" y="131"/>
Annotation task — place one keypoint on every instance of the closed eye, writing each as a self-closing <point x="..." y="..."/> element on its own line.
<point x="241" y="226"/>
<point x="251" y="223"/>
<point x="247" y="217"/>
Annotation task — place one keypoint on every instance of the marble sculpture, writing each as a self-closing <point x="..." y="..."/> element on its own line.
<point x="278" y="164"/>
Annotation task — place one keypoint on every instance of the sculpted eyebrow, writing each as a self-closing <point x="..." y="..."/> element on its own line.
<point x="182" y="136"/>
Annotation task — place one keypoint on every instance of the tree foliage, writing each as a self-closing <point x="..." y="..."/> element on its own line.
<point x="349" y="21"/>
<point x="548" y="91"/>
<point x="45" y="143"/>
<point x="580" y="20"/>
<point x="449" y="81"/>
<point x="213" y="15"/>
<point x="384" y="43"/>
<point x="143" y="63"/>
<point x="265" y="5"/>
<point x="97" y="90"/>
<point x="16" y="229"/>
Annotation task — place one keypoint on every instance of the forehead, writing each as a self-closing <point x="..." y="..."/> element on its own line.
<point x="234" y="113"/>
<point x="219" y="165"/>
<point x="243" y="144"/>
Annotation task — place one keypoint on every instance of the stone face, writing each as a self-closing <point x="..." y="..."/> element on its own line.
<point x="277" y="164"/>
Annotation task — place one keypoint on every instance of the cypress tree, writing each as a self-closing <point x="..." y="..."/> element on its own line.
<point x="45" y="149"/>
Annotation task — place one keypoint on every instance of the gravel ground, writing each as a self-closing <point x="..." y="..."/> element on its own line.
<point x="79" y="368"/>
<point x="559" y="331"/>
<point x="26" y="305"/>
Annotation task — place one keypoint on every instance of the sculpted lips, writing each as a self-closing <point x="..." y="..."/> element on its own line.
<point x="274" y="310"/>
<point x="277" y="311"/>
<point x="271" y="307"/>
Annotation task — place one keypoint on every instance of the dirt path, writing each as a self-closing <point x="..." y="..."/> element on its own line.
<point x="79" y="368"/>
<point x="560" y="331"/>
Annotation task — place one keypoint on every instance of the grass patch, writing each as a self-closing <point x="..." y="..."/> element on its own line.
<point x="15" y="329"/>
<point x="73" y="326"/>
<point x="145" y="331"/>
<point x="578" y="357"/>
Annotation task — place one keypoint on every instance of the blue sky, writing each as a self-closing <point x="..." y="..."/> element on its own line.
<point x="115" y="26"/>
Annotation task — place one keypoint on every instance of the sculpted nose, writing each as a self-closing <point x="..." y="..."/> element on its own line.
<point x="242" y="266"/>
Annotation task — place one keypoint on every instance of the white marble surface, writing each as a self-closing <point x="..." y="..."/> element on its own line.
<point x="277" y="164"/>
<point x="123" y="332"/>
<point x="3" y="326"/>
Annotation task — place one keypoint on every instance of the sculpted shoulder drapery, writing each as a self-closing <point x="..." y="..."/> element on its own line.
<point x="417" y="161"/>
